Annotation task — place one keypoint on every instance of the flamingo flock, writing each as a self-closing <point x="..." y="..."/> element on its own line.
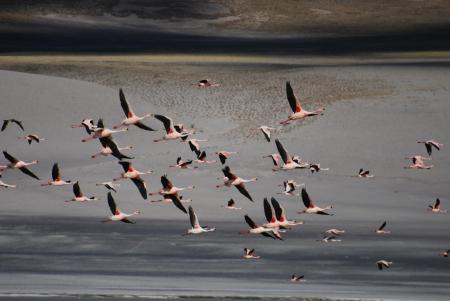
<point x="274" y="212"/>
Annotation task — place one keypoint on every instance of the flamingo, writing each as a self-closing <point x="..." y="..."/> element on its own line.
<point x="418" y="163"/>
<point x="315" y="167"/>
<point x="330" y="238"/>
<point x="101" y="132"/>
<point x="363" y="174"/>
<point x="446" y="253"/>
<point x="310" y="207"/>
<point x="31" y="137"/>
<point x="436" y="208"/>
<point x="298" y="112"/>
<point x="169" y="188"/>
<point x="7" y="121"/>
<point x="135" y="176"/>
<point x="88" y="125"/>
<point x="270" y="215"/>
<point x="194" y="146"/>
<point x="201" y="158"/>
<point x="19" y="164"/>
<point x="231" y="204"/>
<point x="287" y="160"/>
<point x="109" y="147"/>
<point x="232" y="179"/>
<point x="289" y="188"/>
<point x="206" y="83"/>
<point x="79" y="196"/>
<point x="3" y="184"/>
<point x="383" y="264"/>
<point x="56" y="178"/>
<point x="334" y="232"/>
<point x="275" y="159"/>
<point x="183" y="164"/>
<point x="255" y="229"/>
<point x="381" y="230"/>
<point x="171" y="133"/>
<point x="281" y="215"/>
<point x="224" y="155"/>
<point x="131" y="118"/>
<point x="109" y="185"/>
<point x="117" y="214"/>
<point x="249" y="254"/>
<point x="266" y="131"/>
<point x="295" y="278"/>
<point x="429" y="144"/>
<point x="196" y="228"/>
<point x="167" y="199"/>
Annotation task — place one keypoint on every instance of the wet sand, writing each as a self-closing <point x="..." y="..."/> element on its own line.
<point x="374" y="116"/>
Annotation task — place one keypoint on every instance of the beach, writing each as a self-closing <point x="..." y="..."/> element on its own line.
<point x="375" y="113"/>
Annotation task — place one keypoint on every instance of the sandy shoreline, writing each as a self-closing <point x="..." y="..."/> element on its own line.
<point x="371" y="130"/>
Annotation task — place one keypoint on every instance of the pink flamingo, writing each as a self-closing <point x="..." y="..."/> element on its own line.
<point x="231" y="179"/>
<point x="56" y="178"/>
<point x="117" y="214"/>
<point x="418" y="163"/>
<point x="135" y="176"/>
<point x="436" y="208"/>
<point x="18" y="164"/>
<point x="79" y="196"/>
<point x="310" y="207"/>
<point x="32" y="137"/>
<point x="248" y="254"/>
<point x="298" y="112"/>
<point x="131" y="118"/>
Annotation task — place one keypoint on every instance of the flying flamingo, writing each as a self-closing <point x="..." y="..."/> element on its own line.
<point x="56" y="178"/>
<point x="196" y="228"/>
<point x="310" y="207"/>
<point x="231" y="204"/>
<point x="171" y="133"/>
<point x="178" y="199"/>
<point x="169" y="188"/>
<point x="117" y="214"/>
<point x="193" y="144"/>
<point x="135" y="176"/>
<point x="298" y="112"/>
<point x="109" y="185"/>
<point x="270" y="215"/>
<point x="429" y="144"/>
<point x="381" y="230"/>
<point x="363" y="174"/>
<point x="109" y="147"/>
<point x="201" y="158"/>
<point x="3" y="184"/>
<point x="101" y="132"/>
<point x="334" y="232"/>
<point x="418" y="163"/>
<point x="288" y="162"/>
<point x="249" y="254"/>
<point x="316" y="168"/>
<point x="436" y="208"/>
<point x="7" y="121"/>
<point x="383" y="264"/>
<point x="266" y="131"/>
<point x="232" y="179"/>
<point x="79" y="196"/>
<point x="32" y="137"/>
<point x="131" y="118"/>
<point x="295" y="278"/>
<point x="446" y="253"/>
<point x="289" y="188"/>
<point x="182" y="164"/>
<point x="224" y="155"/>
<point x="275" y="159"/>
<point x="255" y="229"/>
<point x="19" y="164"/>
<point x="281" y="215"/>
<point x="330" y="238"/>
<point x="204" y="83"/>
<point x="87" y="123"/>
